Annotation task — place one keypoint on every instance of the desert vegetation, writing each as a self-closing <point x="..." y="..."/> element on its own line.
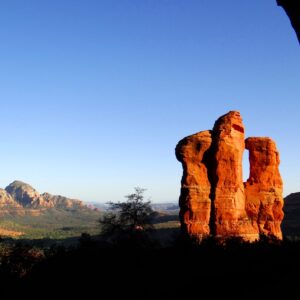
<point x="131" y="259"/>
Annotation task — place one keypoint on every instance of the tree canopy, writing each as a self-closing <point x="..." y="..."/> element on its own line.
<point x="129" y="218"/>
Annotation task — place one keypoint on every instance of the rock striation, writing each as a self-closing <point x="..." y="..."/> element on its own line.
<point x="214" y="200"/>
<point x="264" y="202"/>
<point x="230" y="218"/>
<point x="194" y="202"/>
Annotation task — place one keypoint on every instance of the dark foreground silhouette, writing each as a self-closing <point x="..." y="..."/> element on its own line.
<point x="136" y="259"/>
<point x="292" y="9"/>
<point x="138" y="268"/>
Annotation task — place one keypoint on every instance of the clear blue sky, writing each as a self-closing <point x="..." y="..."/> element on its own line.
<point x="95" y="94"/>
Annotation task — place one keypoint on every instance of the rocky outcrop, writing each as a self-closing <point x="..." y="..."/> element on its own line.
<point x="264" y="201"/>
<point x="194" y="202"/>
<point x="24" y="195"/>
<point x="292" y="9"/>
<point x="61" y="202"/>
<point x="7" y="201"/>
<point x="291" y="222"/>
<point x="230" y="218"/>
<point x="213" y="199"/>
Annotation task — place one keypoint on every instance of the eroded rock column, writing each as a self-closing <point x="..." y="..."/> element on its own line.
<point x="214" y="200"/>
<point x="264" y="200"/>
<point x="195" y="204"/>
<point x="230" y="218"/>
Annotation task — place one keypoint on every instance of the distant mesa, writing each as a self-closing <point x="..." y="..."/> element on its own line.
<point x="19" y="196"/>
<point x="214" y="199"/>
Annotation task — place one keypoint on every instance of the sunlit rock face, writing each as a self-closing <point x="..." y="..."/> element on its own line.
<point x="264" y="200"/>
<point x="214" y="200"/>
<point x="195" y="203"/>
<point x="230" y="218"/>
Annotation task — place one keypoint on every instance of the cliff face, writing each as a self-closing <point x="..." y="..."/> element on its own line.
<point x="62" y="202"/>
<point x="25" y="195"/>
<point x="264" y="201"/>
<point x="230" y="218"/>
<point x="213" y="198"/>
<point x="194" y="202"/>
<point x="7" y="201"/>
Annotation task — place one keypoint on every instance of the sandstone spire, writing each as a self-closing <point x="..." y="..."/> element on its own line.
<point x="195" y="203"/>
<point x="264" y="200"/>
<point x="230" y="218"/>
<point x="213" y="198"/>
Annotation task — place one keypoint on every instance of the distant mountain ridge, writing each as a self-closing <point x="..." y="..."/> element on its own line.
<point x="163" y="207"/>
<point x="20" y="195"/>
<point x="291" y="221"/>
<point x="166" y="207"/>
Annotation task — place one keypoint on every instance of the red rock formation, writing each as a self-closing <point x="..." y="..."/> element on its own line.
<point x="230" y="218"/>
<point x="195" y="203"/>
<point x="264" y="200"/>
<point x="28" y="197"/>
<point x="213" y="199"/>
<point x="7" y="201"/>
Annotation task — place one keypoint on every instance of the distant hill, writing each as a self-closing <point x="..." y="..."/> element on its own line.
<point x="291" y="222"/>
<point x="97" y="205"/>
<point x="19" y="195"/>
<point x="25" y="213"/>
<point x="166" y="207"/>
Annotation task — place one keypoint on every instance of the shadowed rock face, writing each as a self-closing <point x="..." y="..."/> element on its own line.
<point x="292" y="9"/>
<point x="291" y="222"/>
<point x="213" y="199"/>
<point x="7" y="201"/>
<point x="264" y="201"/>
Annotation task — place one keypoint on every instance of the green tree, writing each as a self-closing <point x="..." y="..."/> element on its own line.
<point x="130" y="219"/>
